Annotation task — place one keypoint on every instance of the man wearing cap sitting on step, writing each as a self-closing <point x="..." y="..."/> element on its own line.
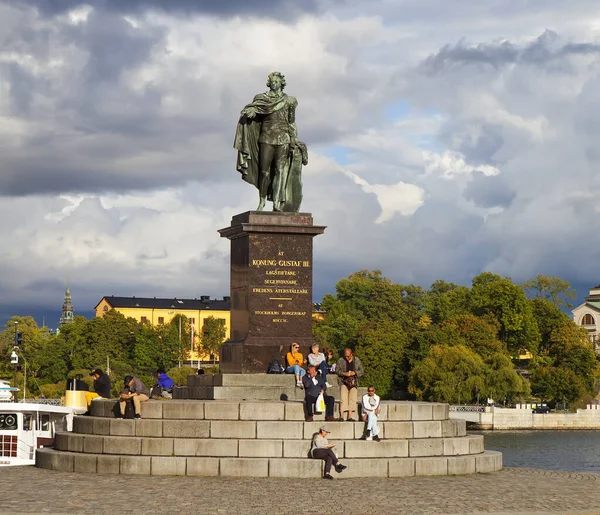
<point x="321" y="449"/>
<point x="314" y="385"/>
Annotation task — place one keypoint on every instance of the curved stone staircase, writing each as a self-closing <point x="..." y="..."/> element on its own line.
<point x="267" y="438"/>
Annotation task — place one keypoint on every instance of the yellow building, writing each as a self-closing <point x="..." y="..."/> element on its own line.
<point x="157" y="311"/>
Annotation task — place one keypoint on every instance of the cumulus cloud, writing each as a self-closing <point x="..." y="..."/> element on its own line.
<point x="445" y="138"/>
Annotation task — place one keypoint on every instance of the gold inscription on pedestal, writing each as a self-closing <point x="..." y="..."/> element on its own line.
<point x="280" y="282"/>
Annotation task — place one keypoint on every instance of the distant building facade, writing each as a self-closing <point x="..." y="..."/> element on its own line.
<point x="67" y="309"/>
<point x="156" y="311"/>
<point x="587" y="315"/>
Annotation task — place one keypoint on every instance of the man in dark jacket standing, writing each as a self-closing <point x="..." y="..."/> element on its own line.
<point x="313" y="387"/>
<point x="349" y="369"/>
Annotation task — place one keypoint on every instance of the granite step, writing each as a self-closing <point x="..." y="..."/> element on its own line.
<point x="263" y="448"/>
<point x="263" y="429"/>
<point x="266" y="410"/>
<point x="66" y="461"/>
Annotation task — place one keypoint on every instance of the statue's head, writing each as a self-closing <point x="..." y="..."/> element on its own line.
<point x="276" y="76"/>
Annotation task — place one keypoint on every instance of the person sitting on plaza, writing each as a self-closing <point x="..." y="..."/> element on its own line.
<point x="349" y="369"/>
<point x="295" y="360"/>
<point x="317" y="359"/>
<point x="370" y="411"/>
<point x="330" y="362"/>
<point x="164" y="387"/>
<point x="136" y="392"/>
<point x="314" y="385"/>
<point x="101" y="387"/>
<point x="321" y="449"/>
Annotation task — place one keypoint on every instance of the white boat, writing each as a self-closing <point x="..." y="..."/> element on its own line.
<point x="24" y="427"/>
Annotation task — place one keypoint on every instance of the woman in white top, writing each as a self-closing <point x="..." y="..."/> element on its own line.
<point x="317" y="360"/>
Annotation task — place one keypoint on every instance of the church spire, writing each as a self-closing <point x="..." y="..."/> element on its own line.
<point x="67" y="308"/>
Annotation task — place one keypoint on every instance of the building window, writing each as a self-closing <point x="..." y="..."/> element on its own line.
<point x="105" y="308"/>
<point x="588" y="320"/>
<point x="192" y="321"/>
<point x="161" y="320"/>
<point x="143" y="320"/>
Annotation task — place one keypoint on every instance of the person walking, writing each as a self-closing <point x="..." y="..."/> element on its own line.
<point x="321" y="449"/>
<point x="370" y="411"/>
<point x="348" y="369"/>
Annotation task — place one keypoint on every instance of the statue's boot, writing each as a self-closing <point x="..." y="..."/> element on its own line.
<point x="261" y="204"/>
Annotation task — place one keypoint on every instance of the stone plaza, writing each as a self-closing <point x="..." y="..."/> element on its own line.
<point x="510" y="491"/>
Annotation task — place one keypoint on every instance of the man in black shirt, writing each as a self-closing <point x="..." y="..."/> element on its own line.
<point x="101" y="387"/>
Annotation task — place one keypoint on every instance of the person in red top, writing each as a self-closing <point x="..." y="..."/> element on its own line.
<point x="295" y="360"/>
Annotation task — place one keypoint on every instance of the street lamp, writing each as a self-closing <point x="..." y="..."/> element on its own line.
<point x="14" y="360"/>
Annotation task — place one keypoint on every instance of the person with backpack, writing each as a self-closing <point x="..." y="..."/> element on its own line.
<point x="164" y="387"/>
<point x="295" y="360"/>
<point x="136" y="392"/>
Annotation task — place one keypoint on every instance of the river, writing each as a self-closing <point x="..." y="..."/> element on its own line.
<point x="575" y="451"/>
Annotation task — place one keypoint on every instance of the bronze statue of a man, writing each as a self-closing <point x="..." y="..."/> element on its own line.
<point x="268" y="148"/>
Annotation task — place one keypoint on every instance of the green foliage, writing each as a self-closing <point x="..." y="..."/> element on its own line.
<point x="381" y="348"/>
<point x="497" y="297"/>
<point x="553" y="289"/>
<point x="54" y="391"/>
<point x="448" y="374"/>
<point x="548" y="318"/>
<point x="556" y="384"/>
<point x="180" y="375"/>
<point x="214" y="334"/>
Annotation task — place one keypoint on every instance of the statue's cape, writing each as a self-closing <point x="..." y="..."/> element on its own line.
<point x="248" y="132"/>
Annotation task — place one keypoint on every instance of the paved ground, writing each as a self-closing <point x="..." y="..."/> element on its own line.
<point x="509" y="492"/>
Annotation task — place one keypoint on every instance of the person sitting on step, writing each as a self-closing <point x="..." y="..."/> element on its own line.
<point x="317" y="359"/>
<point x="101" y="388"/>
<point x="135" y="391"/>
<point x="164" y="386"/>
<point x="370" y="411"/>
<point x="321" y="449"/>
<point x="314" y="385"/>
<point x="295" y="360"/>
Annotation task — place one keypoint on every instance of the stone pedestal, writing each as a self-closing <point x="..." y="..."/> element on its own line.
<point x="271" y="288"/>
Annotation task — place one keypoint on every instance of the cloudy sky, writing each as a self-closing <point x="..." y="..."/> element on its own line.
<point x="446" y="138"/>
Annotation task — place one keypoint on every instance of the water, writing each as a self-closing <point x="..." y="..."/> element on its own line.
<point x="575" y="451"/>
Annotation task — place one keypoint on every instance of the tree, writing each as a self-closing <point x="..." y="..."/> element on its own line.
<point x="556" y="384"/>
<point x="475" y="333"/>
<point x="497" y="297"/>
<point x="448" y="374"/>
<point x="554" y="289"/>
<point x="213" y="335"/>
<point x="502" y="380"/>
<point x="446" y="300"/>
<point x="570" y="348"/>
<point x="548" y="318"/>
<point x="381" y="349"/>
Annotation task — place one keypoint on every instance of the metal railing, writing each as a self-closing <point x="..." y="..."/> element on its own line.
<point x="467" y="408"/>
<point x="10" y="445"/>
<point x="49" y="402"/>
